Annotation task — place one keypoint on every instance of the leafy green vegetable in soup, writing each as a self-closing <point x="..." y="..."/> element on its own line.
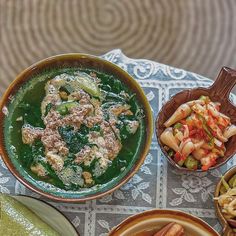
<point x="85" y="131"/>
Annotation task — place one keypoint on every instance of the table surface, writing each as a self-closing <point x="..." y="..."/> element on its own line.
<point x="157" y="184"/>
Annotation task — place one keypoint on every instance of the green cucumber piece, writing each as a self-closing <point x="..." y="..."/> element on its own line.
<point x="64" y="108"/>
<point x="191" y="163"/>
<point x="88" y="85"/>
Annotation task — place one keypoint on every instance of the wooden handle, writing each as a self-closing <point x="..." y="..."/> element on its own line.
<point x="224" y="83"/>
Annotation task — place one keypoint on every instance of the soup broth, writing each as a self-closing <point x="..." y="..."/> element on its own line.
<point x="74" y="128"/>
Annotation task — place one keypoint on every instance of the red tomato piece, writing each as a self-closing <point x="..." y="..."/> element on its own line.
<point x="192" y="133"/>
<point x="212" y="163"/>
<point x="183" y="122"/>
<point x="221" y="127"/>
<point x="178" y="157"/>
<point x="190" y="127"/>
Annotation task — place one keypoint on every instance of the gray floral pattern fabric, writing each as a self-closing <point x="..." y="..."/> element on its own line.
<point x="157" y="184"/>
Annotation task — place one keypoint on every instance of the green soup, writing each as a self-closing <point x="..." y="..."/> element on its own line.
<point x="74" y="129"/>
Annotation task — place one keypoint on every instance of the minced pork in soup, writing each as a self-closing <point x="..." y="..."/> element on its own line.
<point x="89" y="132"/>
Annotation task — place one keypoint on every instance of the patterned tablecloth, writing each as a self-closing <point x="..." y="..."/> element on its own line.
<point x="157" y="184"/>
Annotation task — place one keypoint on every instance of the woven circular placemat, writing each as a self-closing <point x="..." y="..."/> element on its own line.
<point x="197" y="35"/>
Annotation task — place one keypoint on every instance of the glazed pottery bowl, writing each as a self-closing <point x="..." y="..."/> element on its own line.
<point x="153" y="220"/>
<point x="80" y="61"/>
<point x="227" y="229"/>
<point x="218" y="92"/>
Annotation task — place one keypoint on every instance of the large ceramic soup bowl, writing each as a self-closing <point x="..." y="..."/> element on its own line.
<point x="74" y="127"/>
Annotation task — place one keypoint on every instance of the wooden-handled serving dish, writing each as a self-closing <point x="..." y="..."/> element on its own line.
<point x="218" y="92"/>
